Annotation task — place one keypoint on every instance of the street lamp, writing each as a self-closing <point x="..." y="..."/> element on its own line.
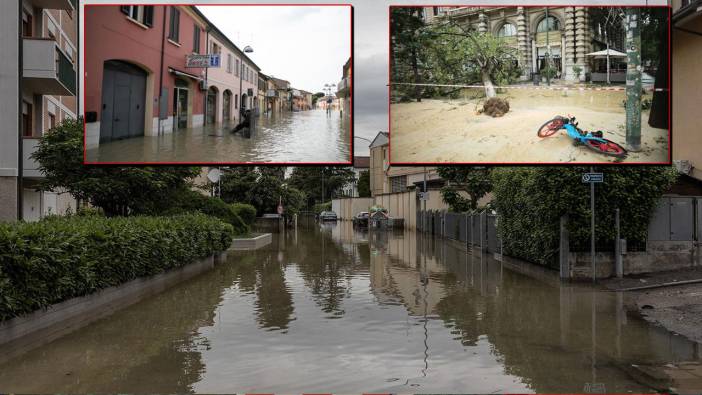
<point x="247" y="49"/>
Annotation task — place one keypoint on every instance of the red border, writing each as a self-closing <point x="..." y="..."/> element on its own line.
<point x="669" y="162"/>
<point x="351" y="131"/>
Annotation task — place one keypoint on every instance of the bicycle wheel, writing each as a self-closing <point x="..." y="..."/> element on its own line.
<point x="550" y="127"/>
<point x="609" y="148"/>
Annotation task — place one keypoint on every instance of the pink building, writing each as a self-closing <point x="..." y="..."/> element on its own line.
<point x="136" y="82"/>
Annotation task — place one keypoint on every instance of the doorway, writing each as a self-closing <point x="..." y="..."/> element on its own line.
<point x="180" y="104"/>
<point x="211" y="105"/>
<point x="123" y="101"/>
<point x="226" y="106"/>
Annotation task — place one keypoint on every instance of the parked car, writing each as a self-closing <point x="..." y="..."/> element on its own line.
<point x="361" y="219"/>
<point x="327" y="216"/>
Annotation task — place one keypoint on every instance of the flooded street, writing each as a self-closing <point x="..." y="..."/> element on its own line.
<point x="291" y="137"/>
<point x="453" y="131"/>
<point x="334" y="309"/>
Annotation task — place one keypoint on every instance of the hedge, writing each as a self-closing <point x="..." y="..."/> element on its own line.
<point x="46" y="262"/>
<point x="246" y="212"/>
<point x="531" y="201"/>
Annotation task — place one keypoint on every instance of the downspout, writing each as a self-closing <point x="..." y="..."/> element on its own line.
<point x="20" y="153"/>
<point x="160" y="77"/>
<point x="207" y="89"/>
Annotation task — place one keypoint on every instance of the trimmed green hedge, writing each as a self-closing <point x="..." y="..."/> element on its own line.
<point x="246" y="212"/>
<point x="531" y="201"/>
<point x="46" y="262"/>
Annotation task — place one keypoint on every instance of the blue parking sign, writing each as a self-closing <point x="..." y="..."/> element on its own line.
<point x="214" y="60"/>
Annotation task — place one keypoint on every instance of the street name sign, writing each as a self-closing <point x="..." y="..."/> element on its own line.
<point x="592" y="178"/>
<point x="211" y="60"/>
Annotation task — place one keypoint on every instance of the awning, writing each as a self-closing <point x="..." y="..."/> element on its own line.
<point x="183" y="74"/>
<point x="603" y="54"/>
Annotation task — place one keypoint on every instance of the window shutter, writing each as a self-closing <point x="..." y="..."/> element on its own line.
<point x="124" y="9"/>
<point x="149" y="15"/>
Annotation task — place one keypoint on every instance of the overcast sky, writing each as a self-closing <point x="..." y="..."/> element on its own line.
<point x="370" y="74"/>
<point x="306" y="45"/>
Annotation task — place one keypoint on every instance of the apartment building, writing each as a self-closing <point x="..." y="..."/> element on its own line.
<point x="344" y="89"/>
<point x="38" y="90"/>
<point x="564" y="34"/>
<point x="687" y="80"/>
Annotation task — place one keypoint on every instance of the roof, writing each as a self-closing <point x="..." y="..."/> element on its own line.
<point x="361" y="162"/>
<point x="224" y="37"/>
<point x="380" y="139"/>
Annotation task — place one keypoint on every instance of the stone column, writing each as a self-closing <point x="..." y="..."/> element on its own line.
<point x="569" y="46"/>
<point x="523" y="43"/>
<point x="582" y="40"/>
<point x="482" y="22"/>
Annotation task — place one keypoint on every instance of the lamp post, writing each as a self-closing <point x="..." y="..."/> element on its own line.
<point x="247" y="49"/>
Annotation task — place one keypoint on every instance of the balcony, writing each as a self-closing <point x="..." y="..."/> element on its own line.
<point x="47" y="70"/>
<point x="55" y="4"/>
<point x="343" y="87"/>
<point x="30" y="167"/>
<point x="687" y="13"/>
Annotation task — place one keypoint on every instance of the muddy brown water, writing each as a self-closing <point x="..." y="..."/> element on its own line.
<point x="331" y="309"/>
<point x="305" y="136"/>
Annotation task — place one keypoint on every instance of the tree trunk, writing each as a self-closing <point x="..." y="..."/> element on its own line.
<point x="487" y="82"/>
<point x="417" y="79"/>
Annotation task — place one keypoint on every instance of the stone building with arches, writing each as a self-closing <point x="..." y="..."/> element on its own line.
<point x="566" y="35"/>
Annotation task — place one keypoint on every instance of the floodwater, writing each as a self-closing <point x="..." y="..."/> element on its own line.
<point x="289" y="137"/>
<point x="453" y="130"/>
<point x="331" y="309"/>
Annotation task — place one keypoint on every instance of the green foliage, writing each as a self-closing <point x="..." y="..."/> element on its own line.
<point x="189" y="201"/>
<point x="262" y="187"/>
<point x="577" y="70"/>
<point x="246" y="212"/>
<point x="116" y="190"/>
<point x="46" y="262"/>
<point x="318" y="208"/>
<point x="531" y="200"/>
<point x="408" y="55"/>
<point x="476" y="182"/>
<point x="363" y="186"/>
<point x="321" y="183"/>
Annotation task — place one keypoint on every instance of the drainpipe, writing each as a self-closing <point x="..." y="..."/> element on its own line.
<point x="20" y="66"/>
<point x="160" y="77"/>
<point x="207" y="91"/>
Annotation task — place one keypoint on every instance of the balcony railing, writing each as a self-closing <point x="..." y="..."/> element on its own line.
<point x="55" y="4"/>
<point x="30" y="167"/>
<point x="47" y="70"/>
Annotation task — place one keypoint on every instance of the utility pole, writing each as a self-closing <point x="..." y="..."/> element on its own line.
<point x="633" y="79"/>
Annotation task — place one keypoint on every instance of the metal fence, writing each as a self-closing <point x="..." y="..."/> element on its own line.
<point x="476" y="230"/>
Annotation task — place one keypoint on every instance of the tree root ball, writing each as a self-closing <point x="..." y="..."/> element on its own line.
<point x="496" y="107"/>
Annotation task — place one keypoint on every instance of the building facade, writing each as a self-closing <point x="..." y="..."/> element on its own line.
<point x="282" y="98"/>
<point x="687" y="80"/>
<point x="38" y="87"/>
<point x="344" y="89"/>
<point x="565" y="36"/>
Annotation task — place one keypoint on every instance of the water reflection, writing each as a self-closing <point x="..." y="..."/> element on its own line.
<point x="332" y="309"/>
<point x="307" y="136"/>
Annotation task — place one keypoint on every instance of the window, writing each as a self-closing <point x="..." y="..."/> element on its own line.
<point x="398" y="184"/>
<point x="507" y="30"/>
<point x="174" y="25"/>
<point x="196" y="39"/>
<point x="52" y="121"/>
<point x="236" y="69"/>
<point x="436" y="10"/>
<point x="27" y="30"/>
<point x="143" y="14"/>
<point x="548" y="24"/>
<point x="236" y="101"/>
<point x="27" y="119"/>
<point x="229" y="63"/>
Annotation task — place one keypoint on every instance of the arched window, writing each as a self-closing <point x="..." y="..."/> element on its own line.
<point x="507" y="30"/>
<point x="548" y="24"/>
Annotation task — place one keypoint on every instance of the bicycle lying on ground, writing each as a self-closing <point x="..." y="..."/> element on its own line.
<point x="592" y="140"/>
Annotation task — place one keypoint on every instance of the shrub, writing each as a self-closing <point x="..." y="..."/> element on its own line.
<point x="531" y="200"/>
<point x="246" y="212"/>
<point x="46" y="262"/>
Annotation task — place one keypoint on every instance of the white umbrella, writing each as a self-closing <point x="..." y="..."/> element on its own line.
<point x="611" y="52"/>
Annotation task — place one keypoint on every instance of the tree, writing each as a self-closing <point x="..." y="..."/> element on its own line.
<point x="407" y="46"/>
<point x="474" y="181"/>
<point x="320" y="183"/>
<point x="316" y="97"/>
<point x="364" y="189"/>
<point x="262" y="187"/>
<point x="458" y="52"/>
<point x="117" y="190"/>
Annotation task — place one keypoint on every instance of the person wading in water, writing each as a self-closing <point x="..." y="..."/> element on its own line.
<point x="244" y="124"/>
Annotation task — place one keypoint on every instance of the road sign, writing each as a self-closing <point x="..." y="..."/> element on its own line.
<point x="593" y="178"/>
<point x="280" y="209"/>
<point x="200" y="61"/>
<point x="423" y="195"/>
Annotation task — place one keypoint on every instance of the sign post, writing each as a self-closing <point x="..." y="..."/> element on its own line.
<point x="592" y="178"/>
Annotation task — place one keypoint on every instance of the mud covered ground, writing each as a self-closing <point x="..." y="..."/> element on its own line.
<point x="454" y="130"/>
